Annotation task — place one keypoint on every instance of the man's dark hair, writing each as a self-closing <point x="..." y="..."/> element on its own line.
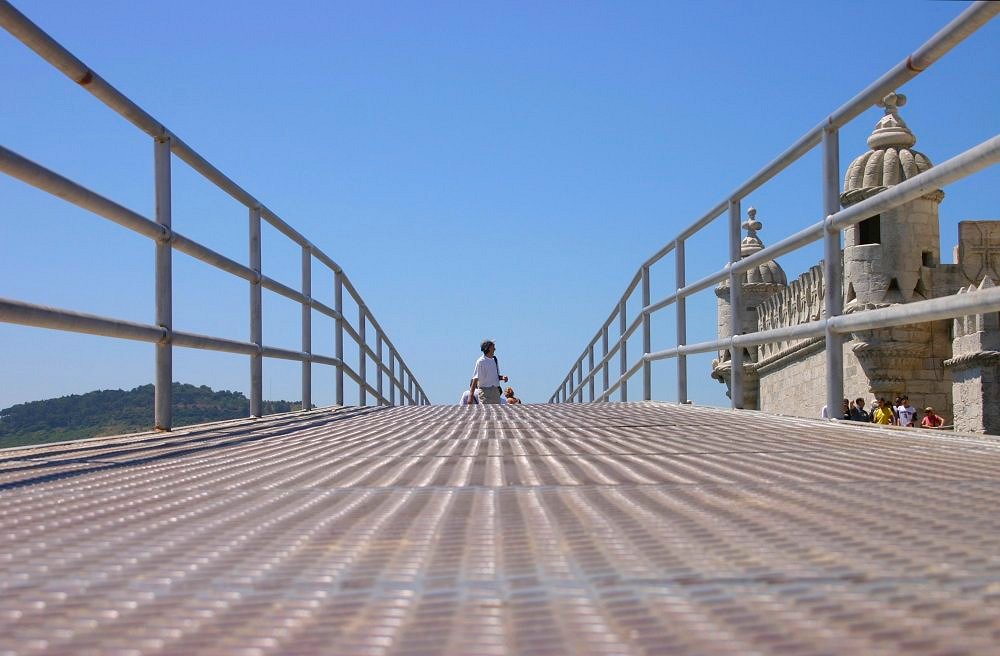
<point x="485" y="346"/>
<point x="859" y="401"/>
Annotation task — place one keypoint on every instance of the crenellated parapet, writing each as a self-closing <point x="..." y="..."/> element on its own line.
<point x="800" y="302"/>
<point x="985" y="326"/>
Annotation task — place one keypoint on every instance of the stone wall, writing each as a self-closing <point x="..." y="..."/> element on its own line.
<point x="796" y="384"/>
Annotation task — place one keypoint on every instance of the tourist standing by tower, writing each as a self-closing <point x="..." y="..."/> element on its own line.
<point x="858" y="412"/>
<point x="906" y="412"/>
<point x="486" y="375"/>
<point x="931" y="420"/>
<point x="882" y="413"/>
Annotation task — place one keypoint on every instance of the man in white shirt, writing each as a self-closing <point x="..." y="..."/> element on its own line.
<point x="906" y="412"/>
<point x="486" y="375"/>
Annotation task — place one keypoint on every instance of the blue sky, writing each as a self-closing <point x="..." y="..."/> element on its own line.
<point x="478" y="169"/>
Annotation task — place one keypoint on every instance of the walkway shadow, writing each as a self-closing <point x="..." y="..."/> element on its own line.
<point x="202" y="439"/>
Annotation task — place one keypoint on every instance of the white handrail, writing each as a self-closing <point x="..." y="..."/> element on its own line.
<point x="966" y="163"/>
<point x="162" y="333"/>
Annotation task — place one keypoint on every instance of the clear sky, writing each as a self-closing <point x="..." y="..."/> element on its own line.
<point x="478" y="169"/>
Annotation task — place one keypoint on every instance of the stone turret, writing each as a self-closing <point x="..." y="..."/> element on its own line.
<point x="891" y="258"/>
<point x="758" y="284"/>
<point x="975" y="368"/>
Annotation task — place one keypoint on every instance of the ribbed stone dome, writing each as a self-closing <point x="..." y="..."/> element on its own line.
<point x="890" y="160"/>
<point x="769" y="272"/>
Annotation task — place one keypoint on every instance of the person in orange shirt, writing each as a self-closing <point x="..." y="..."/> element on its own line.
<point x="931" y="420"/>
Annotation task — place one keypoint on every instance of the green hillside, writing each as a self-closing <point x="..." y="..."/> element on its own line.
<point x="112" y="412"/>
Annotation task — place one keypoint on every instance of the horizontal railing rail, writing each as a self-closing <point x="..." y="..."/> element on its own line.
<point x="577" y="383"/>
<point x="388" y="363"/>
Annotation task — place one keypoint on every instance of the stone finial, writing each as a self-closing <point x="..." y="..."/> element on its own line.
<point x="891" y="129"/>
<point x="892" y="102"/>
<point x="751" y="243"/>
<point x="752" y="225"/>
<point x="768" y="273"/>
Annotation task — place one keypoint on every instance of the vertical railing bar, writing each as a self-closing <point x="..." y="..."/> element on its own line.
<point x="647" y="371"/>
<point x="398" y="375"/>
<point x="163" y="390"/>
<point x="378" y="356"/>
<point x="338" y="305"/>
<point x="402" y="383"/>
<point x="681" y="309"/>
<point x="256" y="360"/>
<point x="590" y="370"/>
<point x="735" y="304"/>
<point x="392" y="376"/>
<point x="604" y="356"/>
<point x="410" y="376"/>
<point x="362" y="357"/>
<point x="306" y="327"/>
<point x="623" y="351"/>
<point x="832" y="272"/>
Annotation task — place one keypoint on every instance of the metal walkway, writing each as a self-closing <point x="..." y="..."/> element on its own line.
<point x="579" y="529"/>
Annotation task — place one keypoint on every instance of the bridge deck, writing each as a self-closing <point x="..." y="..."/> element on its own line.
<point x="600" y="529"/>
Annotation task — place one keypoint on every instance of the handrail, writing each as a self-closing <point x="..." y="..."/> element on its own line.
<point x="828" y="229"/>
<point x="166" y="143"/>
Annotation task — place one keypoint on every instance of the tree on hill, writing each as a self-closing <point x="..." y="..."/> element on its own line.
<point x="112" y="412"/>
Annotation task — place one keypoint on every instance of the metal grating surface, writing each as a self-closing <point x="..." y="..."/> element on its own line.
<point x="636" y="528"/>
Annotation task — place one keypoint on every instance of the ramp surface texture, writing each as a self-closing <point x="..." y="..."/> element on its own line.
<point x="640" y="528"/>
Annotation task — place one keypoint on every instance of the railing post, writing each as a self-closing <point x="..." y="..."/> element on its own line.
<point x="735" y="304"/>
<point x="647" y="340"/>
<point x="378" y="368"/>
<point x="392" y="376"/>
<point x="257" y="359"/>
<point x="338" y="305"/>
<point x="410" y="384"/>
<point x="307" y="327"/>
<point x="623" y="351"/>
<point x="832" y="274"/>
<point x="163" y="394"/>
<point x="362" y="357"/>
<point x="579" y="379"/>
<point x="399" y="380"/>
<point x="681" y="279"/>
<point x="607" y="365"/>
<point x="590" y="368"/>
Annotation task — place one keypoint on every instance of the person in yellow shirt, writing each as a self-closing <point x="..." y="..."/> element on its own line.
<point x="882" y="413"/>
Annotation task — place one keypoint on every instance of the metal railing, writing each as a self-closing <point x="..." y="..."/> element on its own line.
<point x="833" y="326"/>
<point x="402" y="384"/>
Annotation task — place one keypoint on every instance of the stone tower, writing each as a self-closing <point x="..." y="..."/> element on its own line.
<point x="975" y="368"/>
<point x="890" y="259"/>
<point x="758" y="284"/>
